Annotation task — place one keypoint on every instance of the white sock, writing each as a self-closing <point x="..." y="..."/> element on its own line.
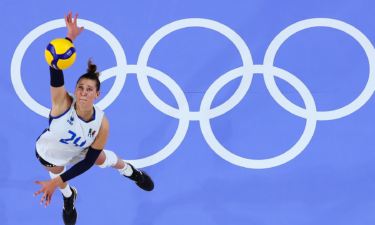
<point x="127" y="170"/>
<point x="67" y="192"/>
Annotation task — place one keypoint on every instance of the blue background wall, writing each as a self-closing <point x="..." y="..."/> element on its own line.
<point x="331" y="181"/>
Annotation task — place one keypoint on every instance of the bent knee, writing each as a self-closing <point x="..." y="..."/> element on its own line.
<point x="107" y="159"/>
<point x="55" y="169"/>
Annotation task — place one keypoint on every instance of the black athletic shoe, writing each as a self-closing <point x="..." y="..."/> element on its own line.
<point x="142" y="179"/>
<point x="69" y="212"/>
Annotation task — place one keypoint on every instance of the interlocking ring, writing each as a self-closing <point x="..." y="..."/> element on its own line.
<point x="206" y="113"/>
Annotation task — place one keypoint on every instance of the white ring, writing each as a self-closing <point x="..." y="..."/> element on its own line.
<point x="262" y="163"/>
<point x="206" y="113"/>
<point x="34" y="34"/>
<point x="183" y="111"/>
<point x="321" y="22"/>
<point x="180" y="24"/>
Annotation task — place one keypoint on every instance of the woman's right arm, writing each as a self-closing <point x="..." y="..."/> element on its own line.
<point x="60" y="98"/>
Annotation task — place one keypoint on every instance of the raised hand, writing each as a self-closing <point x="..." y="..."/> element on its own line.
<point x="73" y="30"/>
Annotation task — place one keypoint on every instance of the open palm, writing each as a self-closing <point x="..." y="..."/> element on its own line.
<point x="73" y="30"/>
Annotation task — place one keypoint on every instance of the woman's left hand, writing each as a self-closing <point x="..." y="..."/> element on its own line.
<point x="48" y="187"/>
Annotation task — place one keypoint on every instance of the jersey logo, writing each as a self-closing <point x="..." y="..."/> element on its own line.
<point x="71" y="120"/>
<point x="91" y="134"/>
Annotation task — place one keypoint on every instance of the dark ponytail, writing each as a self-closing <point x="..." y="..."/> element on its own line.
<point x="91" y="74"/>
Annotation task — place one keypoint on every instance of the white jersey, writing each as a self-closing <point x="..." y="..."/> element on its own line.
<point x="68" y="137"/>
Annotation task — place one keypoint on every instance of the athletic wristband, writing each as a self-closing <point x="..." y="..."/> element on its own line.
<point x="82" y="166"/>
<point x="57" y="77"/>
<point x="69" y="39"/>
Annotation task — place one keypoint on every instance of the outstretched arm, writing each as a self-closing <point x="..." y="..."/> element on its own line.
<point x="59" y="96"/>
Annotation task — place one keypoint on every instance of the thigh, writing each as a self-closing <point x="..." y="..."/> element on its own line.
<point x="101" y="159"/>
<point x="48" y="166"/>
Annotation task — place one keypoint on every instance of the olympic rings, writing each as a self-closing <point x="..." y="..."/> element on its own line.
<point x="321" y="22"/>
<point x="206" y="113"/>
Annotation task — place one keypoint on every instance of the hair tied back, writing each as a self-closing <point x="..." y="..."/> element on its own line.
<point x="92" y="68"/>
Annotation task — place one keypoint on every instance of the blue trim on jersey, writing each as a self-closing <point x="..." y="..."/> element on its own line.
<point x="45" y="130"/>
<point x="93" y="118"/>
<point x="51" y="117"/>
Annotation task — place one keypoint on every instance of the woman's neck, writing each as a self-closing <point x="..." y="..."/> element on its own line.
<point x="85" y="113"/>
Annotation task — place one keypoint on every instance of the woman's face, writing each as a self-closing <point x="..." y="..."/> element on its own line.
<point x="86" y="92"/>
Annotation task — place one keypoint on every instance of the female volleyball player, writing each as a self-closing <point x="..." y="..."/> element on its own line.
<point x="77" y="134"/>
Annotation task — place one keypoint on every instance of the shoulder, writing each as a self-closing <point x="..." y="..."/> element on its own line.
<point x="105" y="123"/>
<point x="99" y="114"/>
<point x="102" y="137"/>
<point x="60" y="108"/>
<point x="72" y="96"/>
<point x="97" y="109"/>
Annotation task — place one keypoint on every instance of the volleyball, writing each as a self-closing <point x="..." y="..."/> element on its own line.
<point x="60" y="54"/>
